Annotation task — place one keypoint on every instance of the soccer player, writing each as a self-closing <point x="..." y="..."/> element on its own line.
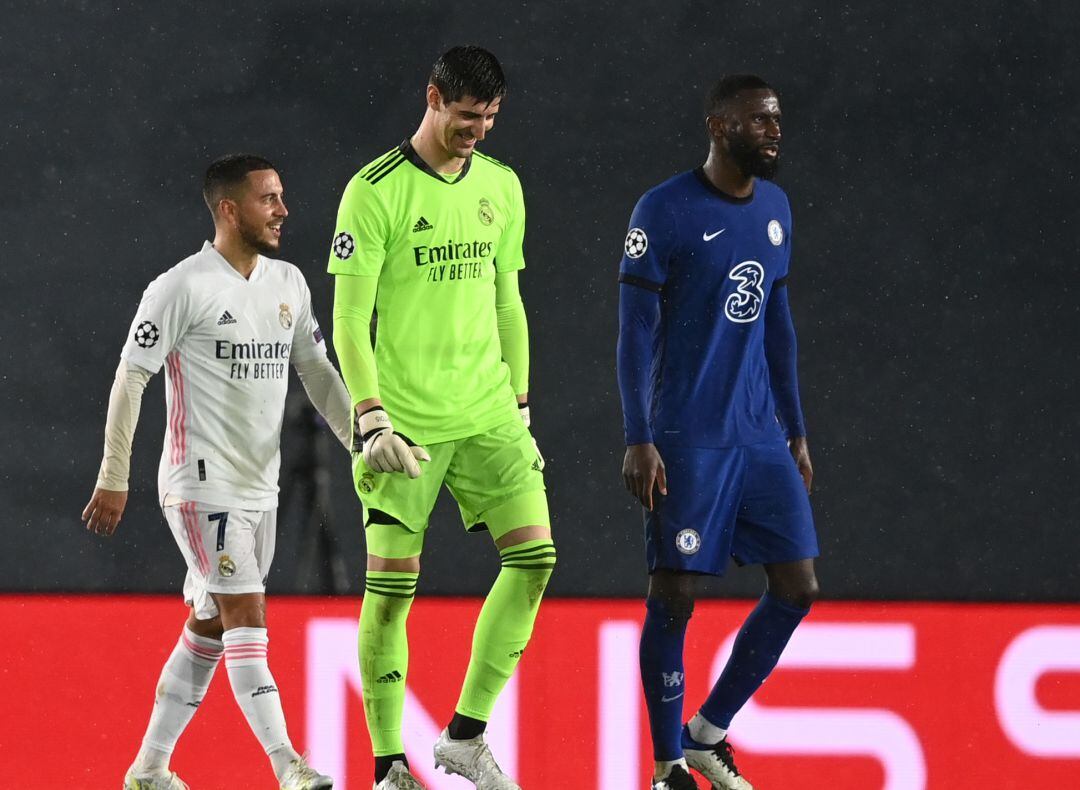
<point x="429" y="236"/>
<point x="706" y="366"/>
<point x="226" y="322"/>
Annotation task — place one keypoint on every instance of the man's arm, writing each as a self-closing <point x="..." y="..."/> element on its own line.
<point x="639" y="316"/>
<point x="384" y="450"/>
<point x="102" y="514"/>
<point x="328" y="395"/>
<point x="513" y="335"/>
<point x="781" y="356"/>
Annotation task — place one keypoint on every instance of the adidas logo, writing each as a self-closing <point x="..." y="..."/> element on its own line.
<point x="390" y="677"/>
<point x="226" y="318"/>
<point x="422" y="224"/>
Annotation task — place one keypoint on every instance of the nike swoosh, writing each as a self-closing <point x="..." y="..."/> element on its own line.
<point x="671" y="699"/>
<point x="711" y="236"/>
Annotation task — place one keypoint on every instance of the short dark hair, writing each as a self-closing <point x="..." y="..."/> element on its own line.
<point x="227" y="173"/>
<point x="730" y="86"/>
<point x="468" y="71"/>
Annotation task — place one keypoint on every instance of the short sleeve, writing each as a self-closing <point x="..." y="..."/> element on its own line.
<point x="509" y="255"/>
<point x="308" y="341"/>
<point x="163" y="317"/>
<point x="362" y="234"/>
<point x="649" y="245"/>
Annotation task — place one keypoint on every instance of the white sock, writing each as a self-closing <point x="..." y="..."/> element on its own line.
<point x="256" y="693"/>
<point x="705" y="732"/>
<point x="181" y="687"/>
<point x="662" y="768"/>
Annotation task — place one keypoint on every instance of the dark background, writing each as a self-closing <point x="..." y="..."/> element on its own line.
<point x="930" y="158"/>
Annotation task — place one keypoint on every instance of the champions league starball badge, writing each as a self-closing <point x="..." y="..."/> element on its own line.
<point x="285" y="316"/>
<point x="776" y="233"/>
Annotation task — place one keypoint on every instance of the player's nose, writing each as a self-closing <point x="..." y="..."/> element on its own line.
<point x="479" y="130"/>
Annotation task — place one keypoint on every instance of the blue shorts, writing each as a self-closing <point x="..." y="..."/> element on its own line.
<point x="747" y="502"/>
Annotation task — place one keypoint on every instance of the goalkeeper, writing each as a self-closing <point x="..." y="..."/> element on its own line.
<point x="429" y="237"/>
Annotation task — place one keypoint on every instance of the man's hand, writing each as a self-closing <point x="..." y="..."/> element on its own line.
<point x="642" y="468"/>
<point x="523" y="412"/>
<point x="102" y="513"/>
<point x="387" y="451"/>
<point x="800" y="451"/>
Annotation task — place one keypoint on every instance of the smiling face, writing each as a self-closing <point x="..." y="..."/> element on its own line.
<point x="257" y="211"/>
<point x="749" y="130"/>
<point x="460" y="125"/>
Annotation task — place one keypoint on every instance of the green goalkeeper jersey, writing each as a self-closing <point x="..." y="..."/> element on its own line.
<point x="435" y="246"/>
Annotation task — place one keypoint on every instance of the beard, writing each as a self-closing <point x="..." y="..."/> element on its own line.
<point x="750" y="161"/>
<point x="254" y="238"/>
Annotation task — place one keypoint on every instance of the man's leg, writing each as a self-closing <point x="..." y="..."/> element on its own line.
<point x="668" y="608"/>
<point x="183" y="683"/>
<point x="792" y="589"/>
<point x="504" y="626"/>
<point x="383" y="648"/>
<point x="243" y="618"/>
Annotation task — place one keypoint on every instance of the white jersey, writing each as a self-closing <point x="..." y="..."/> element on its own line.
<point x="226" y="343"/>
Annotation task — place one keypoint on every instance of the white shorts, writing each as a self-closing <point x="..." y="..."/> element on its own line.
<point x="227" y="552"/>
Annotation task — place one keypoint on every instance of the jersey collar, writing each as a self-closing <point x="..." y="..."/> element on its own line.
<point x="409" y="153"/>
<point x="256" y="273"/>
<point x="705" y="182"/>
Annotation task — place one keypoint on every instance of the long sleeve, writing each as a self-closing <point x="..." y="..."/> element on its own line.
<point x="513" y="329"/>
<point x="781" y="355"/>
<point x="639" y="315"/>
<point x="354" y="302"/>
<point x="328" y="395"/>
<point x="125" y="403"/>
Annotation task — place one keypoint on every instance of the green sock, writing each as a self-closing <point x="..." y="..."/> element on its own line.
<point x="505" y="624"/>
<point x="384" y="655"/>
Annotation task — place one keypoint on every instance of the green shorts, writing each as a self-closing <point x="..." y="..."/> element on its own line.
<point x="494" y="476"/>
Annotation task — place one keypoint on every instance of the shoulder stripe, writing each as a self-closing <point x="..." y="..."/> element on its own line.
<point x="387" y="169"/>
<point x="493" y="161"/>
<point x="366" y="169"/>
<point x="641" y="282"/>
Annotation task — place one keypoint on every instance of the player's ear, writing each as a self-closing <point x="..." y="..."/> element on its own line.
<point x="434" y="98"/>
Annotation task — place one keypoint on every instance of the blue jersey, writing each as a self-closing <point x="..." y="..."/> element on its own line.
<point x="715" y="262"/>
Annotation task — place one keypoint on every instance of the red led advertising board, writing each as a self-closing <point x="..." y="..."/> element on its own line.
<point x="868" y="696"/>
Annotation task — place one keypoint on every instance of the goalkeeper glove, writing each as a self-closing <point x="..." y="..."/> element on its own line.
<point x="383" y="449"/>
<point x="523" y="410"/>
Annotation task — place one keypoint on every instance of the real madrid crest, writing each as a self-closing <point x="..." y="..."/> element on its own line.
<point x="225" y="565"/>
<point x="486" y="212"/>
<point x="285" y="316"/>
<point x="367" y="482"/>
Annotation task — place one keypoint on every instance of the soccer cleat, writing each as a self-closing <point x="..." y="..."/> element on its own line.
<point x="677" y="779"/>
<point x="398" y="778"/>
<point x="472" y="759"/>
<point x="716" y="763"/>
<point x="169" y="781"/>
<point x="301" y="776"/>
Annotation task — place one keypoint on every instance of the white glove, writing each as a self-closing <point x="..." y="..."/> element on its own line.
<point x="387" y="451"/>
<point x="523" y="410"/>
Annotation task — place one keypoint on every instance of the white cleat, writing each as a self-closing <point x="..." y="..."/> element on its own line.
<point x="717" y="764"/>
<point x="398" y="778"/>
<point x="168" y="781"/>
<point x="301" y="776"/>
<point x="473" y="760"/>
<point x="677" y="779"/>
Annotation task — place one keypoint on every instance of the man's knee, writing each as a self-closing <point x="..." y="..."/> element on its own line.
<point x="797" y="586"/>
<point x="671" y="597"/>
<point x="247" y="610"/>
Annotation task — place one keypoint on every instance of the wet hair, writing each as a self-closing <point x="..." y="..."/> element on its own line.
<point x="227" y="173"/>
<point x="730" y="86"/>
<point x="468" y="71"/>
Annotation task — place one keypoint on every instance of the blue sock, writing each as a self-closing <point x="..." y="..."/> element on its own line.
<point x="662" y="675"/>
<point x="757" y="648"/>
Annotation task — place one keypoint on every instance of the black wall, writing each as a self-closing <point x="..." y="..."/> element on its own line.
<point x="930" y="158"/>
